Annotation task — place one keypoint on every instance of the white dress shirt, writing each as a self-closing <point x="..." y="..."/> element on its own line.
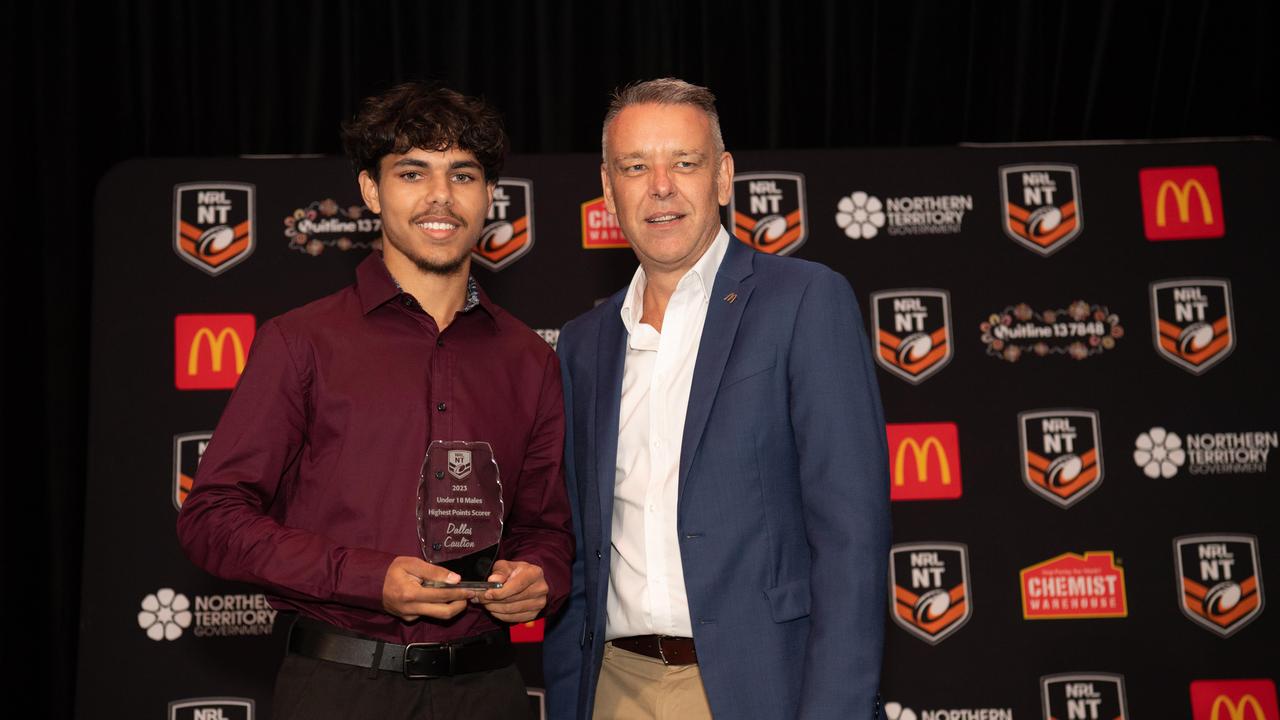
<point x="646" y="580"/>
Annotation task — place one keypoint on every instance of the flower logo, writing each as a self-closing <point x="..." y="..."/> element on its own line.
<point x="1159" y="453"/>
<point x="164" y="614"/>
<point x="895" y="711"/>
<point x="860" y="215"/>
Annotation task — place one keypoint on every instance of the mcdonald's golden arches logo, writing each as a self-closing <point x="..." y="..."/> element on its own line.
<point x="1234" y="700"/>
<point x="924" y="461"/>
<point x="1181" y="203"/>
<point x="210" y="351"/>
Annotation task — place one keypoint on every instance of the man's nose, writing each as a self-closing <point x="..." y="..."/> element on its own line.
<point x="660" y="186"/>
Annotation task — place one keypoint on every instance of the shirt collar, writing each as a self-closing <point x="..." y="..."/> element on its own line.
<point x="702" y="275"/>
<point x="375" y="287"/>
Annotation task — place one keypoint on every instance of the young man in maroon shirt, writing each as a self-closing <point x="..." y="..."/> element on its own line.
<point x="309" y="485"/>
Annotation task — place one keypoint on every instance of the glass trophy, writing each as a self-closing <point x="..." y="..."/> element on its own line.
<point x="460" y="510"/>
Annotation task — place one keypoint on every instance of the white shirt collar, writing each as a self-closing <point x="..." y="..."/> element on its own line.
<point x="703" y="274"/>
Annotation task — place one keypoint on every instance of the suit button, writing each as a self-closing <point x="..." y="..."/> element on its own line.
<point x="597" y="554"/>
<point x="591" y="637"/>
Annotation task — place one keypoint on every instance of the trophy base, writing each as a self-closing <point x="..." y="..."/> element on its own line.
<point x="473" y="566"/>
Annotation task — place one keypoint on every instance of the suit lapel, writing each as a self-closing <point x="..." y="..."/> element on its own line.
<point x="610" y="354"/>
<point x="718" y="333"/>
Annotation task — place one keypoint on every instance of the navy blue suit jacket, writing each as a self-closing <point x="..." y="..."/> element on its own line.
<point x="783" y="510"/>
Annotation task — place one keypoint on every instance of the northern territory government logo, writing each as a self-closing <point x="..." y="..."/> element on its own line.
<point x="912" y="332"/>
<point x="1250" y="699"/>
<point x="167" y="614"/>
<point x="324" y="224"/>
<point x="188" y="449"/>
<point x="1083" y="696"/>
<point x="1061" y="454"/>
<point x="1072" y="586"/>
<point x="768" y="211"/>
<point x="1219" y="580"/>
<point x="924" y="461"/>
<point x="213" y="224"/>
<point x="1080" y="330"/>
<point x="1181" y="203"/>
<point x="929" y="589"/>
<point x="862" y="215"/>
<point x="1191" y="322"/>
<point x="1041" y="205"/>
<point x="894" y="710"/>
<point x="212" y="708"/>
<point x="1162" y="453"/>
<point x="508" y="230"/>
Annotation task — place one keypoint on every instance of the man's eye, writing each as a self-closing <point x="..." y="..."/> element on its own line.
<point x="410" y="175"/>
<point x="463" y="178"/>
<point x="686" y="164"/>
<point x="638" y="167"/>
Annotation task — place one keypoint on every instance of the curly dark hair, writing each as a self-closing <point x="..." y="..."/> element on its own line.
<point x="421" y="115"/>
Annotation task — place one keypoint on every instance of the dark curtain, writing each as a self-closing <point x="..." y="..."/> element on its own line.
<point x="87" y="85"/>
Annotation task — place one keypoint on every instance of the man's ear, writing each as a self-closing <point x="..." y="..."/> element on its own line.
<point x="608" y="189"/>
<point x="369" y="191"/>
<point x="724" y="179"/>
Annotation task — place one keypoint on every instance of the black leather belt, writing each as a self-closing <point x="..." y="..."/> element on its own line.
<point x="489" y="651"/>
<point x="670" y="650"/>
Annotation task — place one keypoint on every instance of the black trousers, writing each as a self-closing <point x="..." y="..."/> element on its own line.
<point x="321" y="690"/>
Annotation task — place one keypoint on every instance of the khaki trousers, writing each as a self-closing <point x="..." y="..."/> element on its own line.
<point x="637" y="687"/>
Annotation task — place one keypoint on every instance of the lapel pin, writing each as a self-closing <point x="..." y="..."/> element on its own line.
<point x="731" y="297"/>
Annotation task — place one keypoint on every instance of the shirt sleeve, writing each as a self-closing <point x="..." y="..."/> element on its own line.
<point x="538" y="528"/>
<point x="226" y="525"/>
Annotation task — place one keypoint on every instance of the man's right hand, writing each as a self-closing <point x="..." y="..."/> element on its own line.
<point x="404" y="596"/>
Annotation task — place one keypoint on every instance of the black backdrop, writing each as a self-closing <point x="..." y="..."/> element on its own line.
<point x="88" y="85"/>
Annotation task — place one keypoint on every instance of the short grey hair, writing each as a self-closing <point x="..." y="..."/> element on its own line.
<point x="663" y="91"/>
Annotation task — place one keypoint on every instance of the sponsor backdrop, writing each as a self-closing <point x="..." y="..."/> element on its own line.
<point x="1074" y="344"/>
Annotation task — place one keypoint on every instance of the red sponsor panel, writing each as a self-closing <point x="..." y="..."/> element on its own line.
<point x="1181" y="203"/>
<point x="210" y="351"/>
<point x="1234" y="700"/>
<point x="924" y="461"/>
<point x="530" y="632"/>
<point x="1073" y="586"/>
<point x="600" y="227"/>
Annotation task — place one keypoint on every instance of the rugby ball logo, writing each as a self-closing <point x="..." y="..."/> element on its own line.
<point x="1041" y="207"/>
<point x="1192" y="323"/>
<point x="912" y="332"/>
<point x="1219" y="580"/>
<point x="929" y="589"/>
<point x="1061" y="454"/>
<point x="213" y="224"/>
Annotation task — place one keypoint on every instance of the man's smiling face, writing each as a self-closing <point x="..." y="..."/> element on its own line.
<point x="665" y="181"/>
<point x="433" y="206"/>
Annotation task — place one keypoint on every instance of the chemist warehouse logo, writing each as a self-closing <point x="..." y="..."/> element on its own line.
<point x="1234" y="700"/>
<point x="912" y="332"/>
<point x="167" y="615"/>
<point x="1042" y="208"/>
<point x="768" y="211"/>
<point x="1192" y="322"/>
<point x="508" y="230"/>
<point x="1219" y="580"/>
<point x="213" y="224"/>
<point x="1061" y="454"/>
<point x="212" y="708"/>
<point x="1072" y="586"/>
<point x="929" y="589"/>
<point x="1083" y="696"/>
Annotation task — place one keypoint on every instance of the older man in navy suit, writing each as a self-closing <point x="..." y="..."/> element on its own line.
<point x="725" y="457"/>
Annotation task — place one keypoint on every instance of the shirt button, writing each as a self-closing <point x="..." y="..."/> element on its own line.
<point x="408" y="301"/>
<point x="441" y="407"/>
<point x="439" y="474"/>
<point x="440" y="342"/>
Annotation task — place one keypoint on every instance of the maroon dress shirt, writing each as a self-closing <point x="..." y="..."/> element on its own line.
<point x="309" y="485"/>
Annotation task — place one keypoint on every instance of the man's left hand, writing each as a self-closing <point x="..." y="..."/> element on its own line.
<point x="523" y="593"/>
